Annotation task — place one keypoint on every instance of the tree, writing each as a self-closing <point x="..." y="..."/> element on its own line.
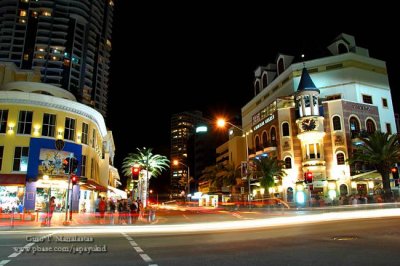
<point x="382" y="151"/>
<point x="269" y="168"/>
<point x="227" y="173"/>
<point x="152" y="164"/>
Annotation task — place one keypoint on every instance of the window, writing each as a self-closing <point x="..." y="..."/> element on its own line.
<point x="281" y="67"/>
<point x="83" y="165"/>
<point x="367" y="99"/>
<point x="21" y="159"/>
<point x="69" y="131"/>
<point x="92" y="168"/>
<point x="370" y="126"/>
<point x="342" y="49"/>
<point x="288" y="163"/>
<point x="3" y="120"/>
<point x="94" y="138"/>
<point x="25" y="122"/>
<point x="388" y="128"/>
<point x="257" y="86"/>
<point x="384" y="102"/>
<point x="49" y="125"/>
<point x="273" y="134"/>
<point x="285" y="129"/>
<point x="340" y="158"/>
<point x="1" y="156"/>
<point x="313" y="151"/>
<point x="354" y="125"/>
<point x="336" y="123"/>
<point x="258" y="147"/>
<point x="265" y="139"/>
<point x="85" y="132"/>
<point x="264" y="80"/>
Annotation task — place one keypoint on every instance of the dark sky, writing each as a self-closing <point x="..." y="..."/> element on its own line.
<point x="183" y="58"/>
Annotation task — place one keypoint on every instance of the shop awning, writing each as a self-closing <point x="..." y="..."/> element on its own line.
<point x="93" y="185"/>
<point x="118" y="193"/>
<point x="367" y="176"/>
<point x="12" y="179"/>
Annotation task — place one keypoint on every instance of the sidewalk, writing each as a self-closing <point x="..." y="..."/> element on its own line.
<point x="20" y="221"/>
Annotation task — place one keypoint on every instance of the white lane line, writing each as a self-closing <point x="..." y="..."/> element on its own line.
<point x="29" y="245"/>
<point x="153" y="265"/>
<point x="15" y="254"/>
<point x="129" y="238"/>
<point x="133" y="243"/>
<point x="146" y="257"/>
<point x="4" y="262"/>
<point x="138" y="249"/>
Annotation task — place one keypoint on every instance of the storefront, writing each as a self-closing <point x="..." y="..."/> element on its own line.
<point x="12" y="188"/>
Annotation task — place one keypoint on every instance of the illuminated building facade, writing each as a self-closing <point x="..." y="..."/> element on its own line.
<point x="310" y="115"/>
<point x="67" y="41"/>
<point x="183" y="130"/>
<point x="33" y="116"/>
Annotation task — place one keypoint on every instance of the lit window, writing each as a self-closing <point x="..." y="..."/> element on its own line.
<point x="22" y="13"/>
<point x="367" y="99"/>
<point x="26" y="57"/>
<point x="340" y="158"/>
<point x="46" y="13"/>
<point x="384" y="102"/>
<point x="21" y="159"/>
<point x="25" y="122"/>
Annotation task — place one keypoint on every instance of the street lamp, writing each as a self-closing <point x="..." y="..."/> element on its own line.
<point x="176" y="162"/>
<point x="221" y="123"/>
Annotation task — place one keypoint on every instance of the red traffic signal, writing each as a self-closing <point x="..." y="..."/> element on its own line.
<point x="135" y="172"/>
<point x="395" y="172"/>
<point x="74" y="179"/>
<point x="308" y="177"/>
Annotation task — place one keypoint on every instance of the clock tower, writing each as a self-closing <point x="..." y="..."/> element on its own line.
<point x="311" y="128"/>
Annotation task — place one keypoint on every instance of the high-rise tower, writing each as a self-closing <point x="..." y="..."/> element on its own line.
<point x="67" y="41"/>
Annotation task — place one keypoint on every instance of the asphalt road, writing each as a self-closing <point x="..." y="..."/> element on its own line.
<point x="351" y="242"/>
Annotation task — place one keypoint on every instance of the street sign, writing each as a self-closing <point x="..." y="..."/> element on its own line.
<point x="60" y="144"/>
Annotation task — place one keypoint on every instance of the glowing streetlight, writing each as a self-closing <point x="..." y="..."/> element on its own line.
<point x="176" y="162"/>
<point x="221" y="123"/>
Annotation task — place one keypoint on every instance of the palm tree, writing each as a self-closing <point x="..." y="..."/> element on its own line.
<point x="382" y="151"/>
<point x="269" y="167"/>
<point x="228" y="174"/>
<point x="153" y="164"/>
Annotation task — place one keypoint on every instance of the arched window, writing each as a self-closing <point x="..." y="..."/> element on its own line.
<point x="370" y="126"/>
<point x="354" y="125"/>
<point x="342" y="49"/>
<point x="336" y="123"/>
<point x="340" y="158"/>
<point x="258" y="147"/>
<point x="285" y="129"/>
<point x="281" y="67"/>
<point x="288" y="163"/>
<point x="264" y="139"/>
<point x="257" y="86"/>
<point x="343" y="190"/>
<point x="264" y="80"/>
<point x="273" y="136"/>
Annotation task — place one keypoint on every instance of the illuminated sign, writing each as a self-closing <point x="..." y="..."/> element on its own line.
<point x="201" y="129"/>
<point x="264" y="122"/>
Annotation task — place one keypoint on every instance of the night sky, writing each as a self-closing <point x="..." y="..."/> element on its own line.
<point x="204" y="58"/>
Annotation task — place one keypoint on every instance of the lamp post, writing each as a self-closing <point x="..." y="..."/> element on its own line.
<point x="221" y="123"/>
<point x="176" y="162"/>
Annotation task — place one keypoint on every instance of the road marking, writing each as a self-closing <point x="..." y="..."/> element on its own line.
<point x="186" y="217"/>
<point x="4" y="262"/>
<point x="146" y="257"/>
<point x="138" y="249"/>
<point x="15" y="254"/>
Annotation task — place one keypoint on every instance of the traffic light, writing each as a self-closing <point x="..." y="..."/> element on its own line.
<point x="74" y="179"/>
<point x="66" y="164"/>
<point x="135" y="172"/>
<point x="74" y="165"/>
<point x="308" y="177"/>
<point x="395" y="172"/>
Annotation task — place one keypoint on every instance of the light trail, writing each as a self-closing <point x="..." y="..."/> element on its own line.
<point x="227" y="225"/>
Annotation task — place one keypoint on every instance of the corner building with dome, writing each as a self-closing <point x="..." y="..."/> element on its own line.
<point x="311" y="114"/>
